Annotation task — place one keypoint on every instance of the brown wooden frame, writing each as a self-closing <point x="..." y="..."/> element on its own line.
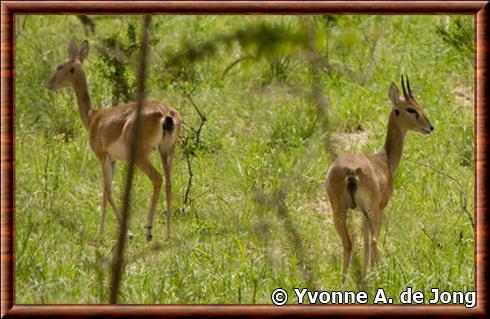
<point x="10" y="8"/>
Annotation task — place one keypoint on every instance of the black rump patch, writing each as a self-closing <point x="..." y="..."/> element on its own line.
<point x="168" y="123"/>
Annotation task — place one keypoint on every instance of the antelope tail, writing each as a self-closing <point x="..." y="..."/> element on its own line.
<point x="351" y="184"/>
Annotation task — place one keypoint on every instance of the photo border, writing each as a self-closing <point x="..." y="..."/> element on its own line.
<point x="11" y="8"/>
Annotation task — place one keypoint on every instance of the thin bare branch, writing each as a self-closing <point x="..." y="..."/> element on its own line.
<point x="192" y="141"/>
<point x="189" y="181"/>
<point x="118" y="261"/>
<point x="462" y="193"/>
<point x="367" y="72"/>
<point x="234" y="63"/>
<point x="277" y="202"/>
<point x="201" y="115"/>
<point x="317" y="94"/>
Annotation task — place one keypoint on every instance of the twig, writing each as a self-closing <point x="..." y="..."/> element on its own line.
<point x="20" y="28"/>
<point x="234" y="63"/>
<point x="462" y="194"/>
<point x="367" y="72"/>
<point x="195" y="141"/>
<point x="189" y="97"/>
<point x="119" y="255"/>
<point x="317" y="94"/>
<point x="87" y="23"/>
<point x="189" y="181"/>
<point x="277" y="201"/>
<point x="432" y="239"/>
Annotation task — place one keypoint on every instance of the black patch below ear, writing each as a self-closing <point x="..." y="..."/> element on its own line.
<point x="397" y="112"/>
<point x="72" y="70"/>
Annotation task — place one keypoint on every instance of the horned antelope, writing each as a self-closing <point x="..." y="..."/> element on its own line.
<point x="109" y="131"/>
<point x="365" y="183"/>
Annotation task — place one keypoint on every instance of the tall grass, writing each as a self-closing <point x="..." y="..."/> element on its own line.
<point x="229" y="244"/>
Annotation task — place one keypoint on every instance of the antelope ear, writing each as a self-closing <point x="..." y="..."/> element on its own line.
<point x="394" y="94"/>
<point x="72" y="50"/>
<point x="83" y="51"/>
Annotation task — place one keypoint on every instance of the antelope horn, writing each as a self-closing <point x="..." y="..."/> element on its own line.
<point x="408" y="87"/>
<point x="404" y="90"/>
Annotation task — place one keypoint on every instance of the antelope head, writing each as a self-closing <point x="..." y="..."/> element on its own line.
<point x="68" y="71"/>
<point x="408" y="112"/>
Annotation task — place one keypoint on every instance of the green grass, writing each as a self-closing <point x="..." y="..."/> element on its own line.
<point x="227" y="247"/>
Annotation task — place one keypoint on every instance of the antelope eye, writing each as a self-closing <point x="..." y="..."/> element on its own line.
<point x="413" y="111"/>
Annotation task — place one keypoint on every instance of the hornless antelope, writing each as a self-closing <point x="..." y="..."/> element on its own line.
<point x="110" y="133"/>
<point x="366" y="182"/>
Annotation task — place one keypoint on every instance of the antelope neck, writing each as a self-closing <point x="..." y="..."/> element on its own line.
<point x="83" y="99"/>
<point x="393" y="147"/>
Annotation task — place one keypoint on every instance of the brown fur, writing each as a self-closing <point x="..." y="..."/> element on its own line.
<point x="110" y="132"/>
<point x="373" y="178"/>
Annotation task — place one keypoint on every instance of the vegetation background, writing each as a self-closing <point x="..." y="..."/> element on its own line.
<point x="278" y="98"/>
